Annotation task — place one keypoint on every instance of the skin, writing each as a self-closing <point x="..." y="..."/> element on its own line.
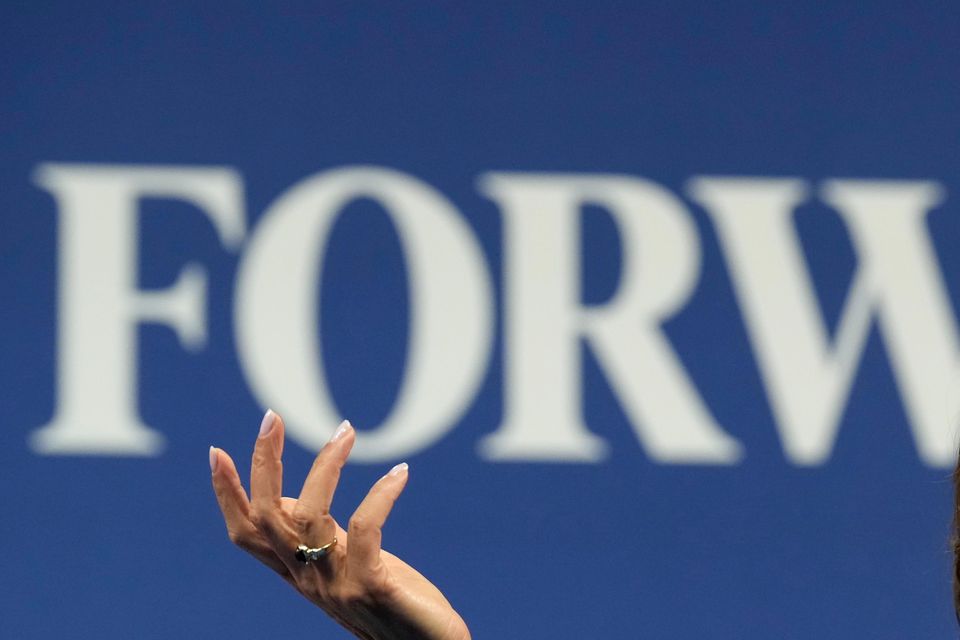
<point x="371" y="592"/>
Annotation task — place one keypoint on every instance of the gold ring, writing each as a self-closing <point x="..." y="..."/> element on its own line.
<point x="306" y="554"/>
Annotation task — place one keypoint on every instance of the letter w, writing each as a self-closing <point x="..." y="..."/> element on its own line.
<point x="897" y="282"/>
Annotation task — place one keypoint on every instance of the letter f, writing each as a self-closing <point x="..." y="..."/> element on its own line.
<point x="100" y="305"/>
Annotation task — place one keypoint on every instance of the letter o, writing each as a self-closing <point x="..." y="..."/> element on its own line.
<point x="451" y="303"/>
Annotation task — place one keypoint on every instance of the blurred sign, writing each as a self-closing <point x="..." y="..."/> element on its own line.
<point x="659" y="302"/>
<point x="807" y="373"/>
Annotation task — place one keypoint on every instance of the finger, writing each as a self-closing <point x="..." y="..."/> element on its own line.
<point x="266" y="484"/>
<point x="312" y="513"/>
<point x="364" y="533"/>
<point x="236" y="511"/>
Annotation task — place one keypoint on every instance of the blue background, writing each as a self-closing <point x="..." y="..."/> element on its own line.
<point x="856" y="548"/>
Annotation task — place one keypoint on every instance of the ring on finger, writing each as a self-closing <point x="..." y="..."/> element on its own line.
<point x="306" y="554"/>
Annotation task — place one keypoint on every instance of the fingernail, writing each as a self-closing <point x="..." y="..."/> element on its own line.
<point x="399" y="469"/>
<point x="266" y="425"/>
<point x="341" y="430"/>
<point x="214" y="459"/>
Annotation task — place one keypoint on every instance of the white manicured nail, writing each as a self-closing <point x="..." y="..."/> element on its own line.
<point x="214" y="459"/>
<point x="341" y="430"/>
<point x="399" y="469"/>
<point x="266" y="425"/>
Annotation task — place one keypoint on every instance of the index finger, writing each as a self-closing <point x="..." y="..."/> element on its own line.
<point x="266" y="485"/>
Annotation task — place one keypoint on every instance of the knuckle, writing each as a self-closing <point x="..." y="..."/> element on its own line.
<point x="265" y="463"/>
<point x="245" y="539"/>
<point x="379" y="590"/>
<point x="236" y="537"/>
<point x="327" y="466"/>
<point x="360" y="523"/>
<point x="302" y="521"/>
<point x="260" y="519"/>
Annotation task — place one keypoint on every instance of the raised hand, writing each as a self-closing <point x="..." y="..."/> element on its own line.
<point x="369" y="591"/>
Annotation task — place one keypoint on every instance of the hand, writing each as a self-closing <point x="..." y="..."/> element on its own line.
<point x="371" y="592"/>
